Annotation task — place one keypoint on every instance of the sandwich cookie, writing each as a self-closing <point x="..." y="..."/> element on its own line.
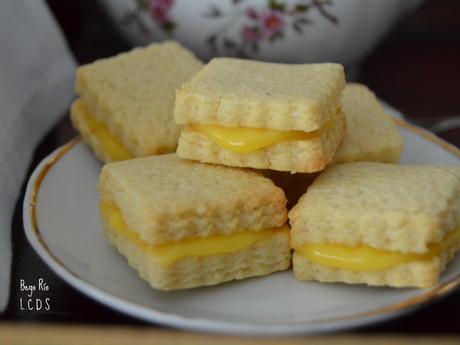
<point x="377" y="224"/>
<point x="126" y="102"/>
<point x="183" y="224"/>
<point x="262" y="115"/>
<point x="372" y="136"/>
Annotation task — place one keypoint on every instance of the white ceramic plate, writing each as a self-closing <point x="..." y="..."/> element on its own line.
<point x="62" y="223"/>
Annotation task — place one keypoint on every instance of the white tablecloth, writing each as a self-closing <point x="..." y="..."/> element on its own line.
<point x="36" y="86"/>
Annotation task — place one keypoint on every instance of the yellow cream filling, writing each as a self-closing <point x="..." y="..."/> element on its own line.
<point x="199" y="246"/>
<point x="111" y="146"/>
<point x="365" y="258"/>
<point x="247" y="140"/>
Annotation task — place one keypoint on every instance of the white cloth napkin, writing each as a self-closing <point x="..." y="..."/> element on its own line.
<point x="36" y="86"/>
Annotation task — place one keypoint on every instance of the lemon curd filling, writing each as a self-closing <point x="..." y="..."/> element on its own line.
<point x="247" y="140"/>
<point x="109" y="144"/>
<point x="365" y="258"/>
<point x="199" y="246"/>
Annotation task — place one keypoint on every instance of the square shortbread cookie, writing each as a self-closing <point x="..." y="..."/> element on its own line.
<point x="384" y="224"/>
<point x="262" y="115"/>
<point x="184" y="224"/>
<point x="130" y="98"/>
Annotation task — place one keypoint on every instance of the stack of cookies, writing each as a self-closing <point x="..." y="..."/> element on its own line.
<point x="248" y="135"/>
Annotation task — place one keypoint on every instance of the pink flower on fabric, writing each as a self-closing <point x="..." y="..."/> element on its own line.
<point x="159" y="10"/>
<point x="159" y="14"/>
<point x="165" y="4"/>
<point x="251" y="13"/>
<point x="251" y="34"/>
<point x="272" y="22"/>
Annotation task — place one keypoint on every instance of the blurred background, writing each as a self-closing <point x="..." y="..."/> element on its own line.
<point x="408" y="52"/>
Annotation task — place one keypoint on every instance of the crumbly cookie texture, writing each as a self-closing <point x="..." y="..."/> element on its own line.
<point x="261" y="258"/>
<point x="294" y="156"/>
<point x="421" y="274"/>
<point x="167" y="199"/>
<point x="392" y="207"/>
<point x="242" y="93"/>
<point x="77" y="117"/>
<point x="371" y="134"/>
<point x="133" y="95"/>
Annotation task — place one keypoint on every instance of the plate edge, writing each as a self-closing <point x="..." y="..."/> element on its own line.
<point x="302" y="327"/>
